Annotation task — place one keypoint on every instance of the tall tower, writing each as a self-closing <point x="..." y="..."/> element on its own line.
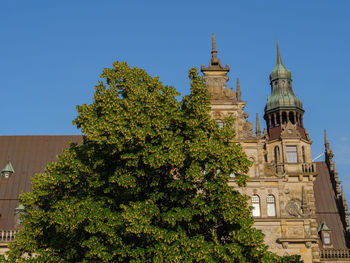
<point x="288" y="157"/>
<point x="282" y="106"/>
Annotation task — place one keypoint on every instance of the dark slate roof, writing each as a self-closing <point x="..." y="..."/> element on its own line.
<point x="326" y="206"/>
<point x="28" y="155"/>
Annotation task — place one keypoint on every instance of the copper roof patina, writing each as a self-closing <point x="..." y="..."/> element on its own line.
<point x="282" y="94"/>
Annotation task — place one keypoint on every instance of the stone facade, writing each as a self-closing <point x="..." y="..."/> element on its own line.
<point x="282" y="176"/>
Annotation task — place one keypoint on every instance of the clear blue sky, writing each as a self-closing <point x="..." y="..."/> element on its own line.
<point x="52" y="52"/>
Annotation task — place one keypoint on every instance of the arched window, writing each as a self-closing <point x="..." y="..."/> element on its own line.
<point x="273" y="124"/>
<point x="291" y="117"/>
<point x="278" y="118"/>
<point x="256" y="205"/>
<point x="277" y="154"/>
<point x="271" y="206"/>
<point x="284" y="117"/>
<point x="303" y="153"/>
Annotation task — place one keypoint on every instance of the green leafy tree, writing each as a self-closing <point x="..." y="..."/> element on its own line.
<point x="292" y="259"/>
<point x="149" y="183"/>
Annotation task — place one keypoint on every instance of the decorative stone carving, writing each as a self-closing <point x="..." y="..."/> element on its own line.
<point x="295" y="232"/>
<point x="294" y="207"/>
<point x="229" y="93"/>
<point x="265" y="135"/>
<point x="217" y="88"/>
<point x="248" y="130"/>
<point x="307" y="135"/>
<point x="290" y="130"/>
<point x="275" y="170"/>
<point x="217" y="115"/>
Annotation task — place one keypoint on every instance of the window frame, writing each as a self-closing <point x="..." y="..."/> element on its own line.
<point x="292" y="156"/>
<point x="271" y="203"/>
<point x="256" y="204"/>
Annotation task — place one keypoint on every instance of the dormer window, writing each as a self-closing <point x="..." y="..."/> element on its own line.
<point x="325" y="234"/>
<point x="326" y="238"/>
<point x="19" y="211"/>
<point x="8" y="170"/>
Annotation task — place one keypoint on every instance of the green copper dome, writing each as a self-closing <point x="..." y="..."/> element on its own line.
<point x="282" y="95"/>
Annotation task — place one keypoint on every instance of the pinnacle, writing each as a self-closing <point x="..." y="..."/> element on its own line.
<point x="279" y="59"/>
<point x="213" y="49"/>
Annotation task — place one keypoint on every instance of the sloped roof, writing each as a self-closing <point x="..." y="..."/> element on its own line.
<point x="326" y="206"/>
<point x="28" y="155"/>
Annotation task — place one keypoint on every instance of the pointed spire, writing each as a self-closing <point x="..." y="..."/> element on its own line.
<point x="279" y="59"/>
<point x="213" y="49"/>
<point x="257" y="126"/>
<point x="238" y="91"/>
<point x="326" y="139"/>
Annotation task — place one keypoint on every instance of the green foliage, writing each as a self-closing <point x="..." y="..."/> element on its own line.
<point x="149" y="183"/>
<point x="292" y="259"/>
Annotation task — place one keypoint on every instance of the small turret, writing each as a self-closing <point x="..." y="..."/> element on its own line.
<point x="215" y="77"/>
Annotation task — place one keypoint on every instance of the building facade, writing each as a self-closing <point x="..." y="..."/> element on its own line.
<point x="297" y="203"/>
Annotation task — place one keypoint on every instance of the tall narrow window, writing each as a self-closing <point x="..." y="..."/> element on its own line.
<point x="291" y="117"/>
<point x="277" y="154"/>
<point x="271" y="206"/>
<point x="256" y="205"/>
<point x="303" y="153"/>
<point x="291" y="154"/>
<point x="284" y="117"/>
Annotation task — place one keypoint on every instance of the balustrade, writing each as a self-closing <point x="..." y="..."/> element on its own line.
<point x="335" y="253"/>
<point x="7" y="235"/>
<point x="308" y="168"/>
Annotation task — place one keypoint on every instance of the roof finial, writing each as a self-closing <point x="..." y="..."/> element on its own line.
<point x="257" y="126"/>
<point x="279" y="59"/>
<point x="238" y="91"/>
<point x="213" y="49"/>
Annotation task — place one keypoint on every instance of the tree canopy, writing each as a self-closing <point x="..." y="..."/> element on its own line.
<point x="149" y="182"/>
